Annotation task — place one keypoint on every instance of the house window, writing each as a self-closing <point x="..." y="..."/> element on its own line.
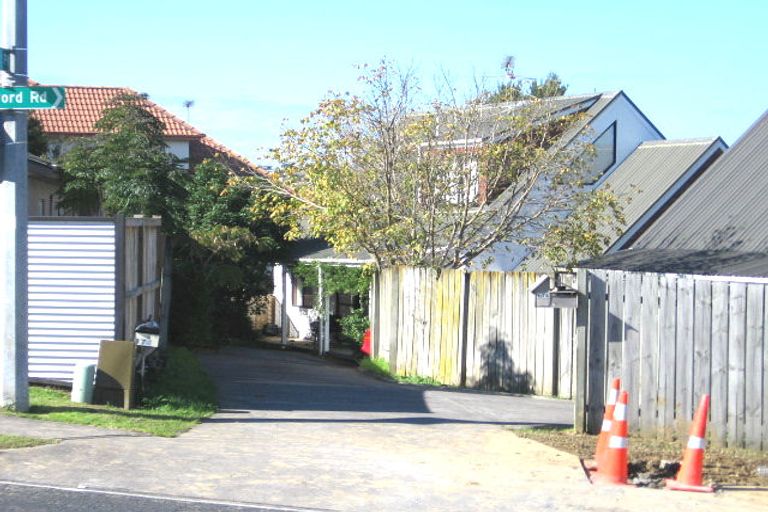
<point x="605" y="152"/>
<point x="345" y="303"/>
<point x="308" y="296"/>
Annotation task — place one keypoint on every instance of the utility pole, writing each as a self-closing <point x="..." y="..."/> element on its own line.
<point x="14" y="390"/>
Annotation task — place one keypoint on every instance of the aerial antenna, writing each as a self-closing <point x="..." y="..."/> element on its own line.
<point x="188" y="104"/>
<point x="509" y="66"/>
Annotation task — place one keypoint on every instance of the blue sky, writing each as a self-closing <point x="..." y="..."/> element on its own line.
<point x="695" y="69"/>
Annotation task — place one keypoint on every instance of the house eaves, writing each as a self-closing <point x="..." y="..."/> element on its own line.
<point x="726" y="264"/>
<point x="317" y="250"/>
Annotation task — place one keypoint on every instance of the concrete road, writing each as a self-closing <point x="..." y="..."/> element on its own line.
<point x="300" y="432"/>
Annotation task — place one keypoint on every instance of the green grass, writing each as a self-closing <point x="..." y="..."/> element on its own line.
<point x="379" y="366"/>
<point x="179" y="398"/>
<point x="8" y="442"/>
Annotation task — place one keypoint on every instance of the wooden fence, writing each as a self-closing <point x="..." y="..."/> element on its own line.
<point x="672" y="338"/>
<point x="141" y="257"/>
<point x="478" y="329"/>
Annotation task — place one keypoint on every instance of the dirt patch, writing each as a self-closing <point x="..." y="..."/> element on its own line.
<point x="652" y="460"/>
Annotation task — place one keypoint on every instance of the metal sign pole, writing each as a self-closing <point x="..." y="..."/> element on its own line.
<point x="14" y="391"/>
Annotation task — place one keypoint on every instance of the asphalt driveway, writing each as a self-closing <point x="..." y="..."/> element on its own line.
<point x="297" y="431"/>
<point x="281" y="386"/>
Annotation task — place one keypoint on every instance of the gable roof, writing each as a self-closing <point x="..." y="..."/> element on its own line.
<point x="717" y="226"/>
<point x="726" y="208"/>
<point x="654" y="174"/>
<point x="84" y="107"/>
<point x="492" y="120"/>
<point x="650" y="179"/>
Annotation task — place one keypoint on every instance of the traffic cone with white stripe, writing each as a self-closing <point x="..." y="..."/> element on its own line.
<point x="605" y="431"/>
<point x="613" y="465"/>
<point x="689" y="476"/>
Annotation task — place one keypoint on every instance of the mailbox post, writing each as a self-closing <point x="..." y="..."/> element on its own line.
<point x="147" y="338"/>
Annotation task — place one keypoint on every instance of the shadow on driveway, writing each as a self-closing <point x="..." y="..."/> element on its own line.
<point x="272" y="386"/>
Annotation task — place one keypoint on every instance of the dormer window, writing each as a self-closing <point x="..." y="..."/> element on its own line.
<point x="605" y="152"/>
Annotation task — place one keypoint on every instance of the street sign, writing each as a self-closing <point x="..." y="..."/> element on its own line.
<point x="31" y="98"/>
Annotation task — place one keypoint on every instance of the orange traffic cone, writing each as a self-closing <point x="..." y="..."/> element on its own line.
<point x="605" y="431"/>
<point x="613" y="465"/>
<point x="689" y="476"/>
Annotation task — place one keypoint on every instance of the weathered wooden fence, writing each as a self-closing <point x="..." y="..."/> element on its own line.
<point x="478" y="329"/>
<point x="672" y="338"/>
<point x="140" y="256"/>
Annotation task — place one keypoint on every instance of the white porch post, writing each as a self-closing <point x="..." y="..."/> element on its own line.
<point x="284" y="307"/>
<point x="327" y="324"/>
<point x="322" y="319"/>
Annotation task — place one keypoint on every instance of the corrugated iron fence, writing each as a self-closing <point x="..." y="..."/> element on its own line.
<point x="478" y="329"/>
<point x="672" y="338"/>
<point x="89" y="279"/>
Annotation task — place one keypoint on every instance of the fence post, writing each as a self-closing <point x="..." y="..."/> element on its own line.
<point x="119" y="276"/>
<point x="582" y="324"/>
<point x="394" y="304"/>
<point x="463" y="315"/>
<point x="596" y="365"/>
<point x="165" y="291"/>
<point x="373" y="314"/>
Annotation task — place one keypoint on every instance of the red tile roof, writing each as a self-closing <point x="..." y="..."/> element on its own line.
<point x="212" y="149"/>
<point x="84" y="106"/>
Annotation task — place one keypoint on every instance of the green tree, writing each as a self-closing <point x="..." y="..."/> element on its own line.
<point x="221" y="252"/>
<point x="430" y="184"/>
<point x="222" y="262"/>
<point x="125" y="168"/>
<point x="37" y="143"/>
<point x="523" y="89"/>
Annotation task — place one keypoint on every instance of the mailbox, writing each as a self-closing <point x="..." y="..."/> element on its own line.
<point x="147" y="334"/>
<point x="147" y="339"/>
<point x="547" y="296"/>
<point x="541" y="290"/>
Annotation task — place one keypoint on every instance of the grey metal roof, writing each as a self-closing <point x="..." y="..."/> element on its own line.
<point x="492" y="121"/>
<point x="680" y="261"/>
<point x="717" y="226"/>
<point x="649" y="178"/>
<point x="726" y="209"/>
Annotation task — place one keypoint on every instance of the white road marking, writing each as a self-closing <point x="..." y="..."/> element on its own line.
<point x="201" y="501"/>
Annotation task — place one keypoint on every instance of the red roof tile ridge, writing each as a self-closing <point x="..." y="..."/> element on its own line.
<point x="175" y="119"/>
<point x="217" y="146"/>
<point x="70" y="121"/>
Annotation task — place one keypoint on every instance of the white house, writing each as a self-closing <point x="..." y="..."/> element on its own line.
<point x="615" y="127"/>
<point x="296" y="303"/>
